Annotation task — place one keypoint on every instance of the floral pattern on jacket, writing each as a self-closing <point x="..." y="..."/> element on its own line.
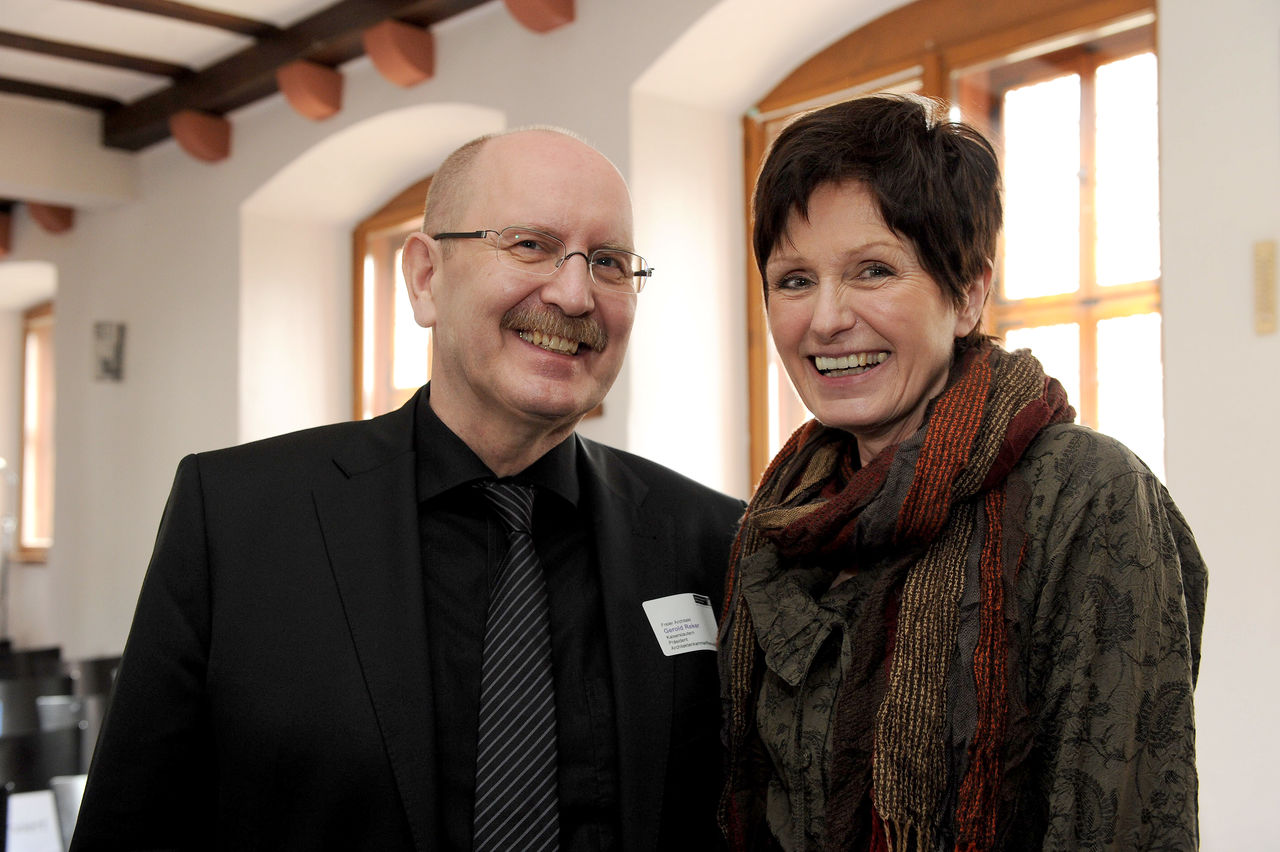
<point x="1106" y="619"/>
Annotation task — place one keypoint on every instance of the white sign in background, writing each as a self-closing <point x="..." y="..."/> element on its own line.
<point x="32" y="823"/>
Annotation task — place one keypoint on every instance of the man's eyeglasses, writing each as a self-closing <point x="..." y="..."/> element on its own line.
<point x="613" y="270"/>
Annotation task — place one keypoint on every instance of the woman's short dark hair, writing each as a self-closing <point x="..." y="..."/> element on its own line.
<point x="936" y="182"/>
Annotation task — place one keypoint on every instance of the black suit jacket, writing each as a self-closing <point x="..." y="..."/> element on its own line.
<point x="275" y="692"/>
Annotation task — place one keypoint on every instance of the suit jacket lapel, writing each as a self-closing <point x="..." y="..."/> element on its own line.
<point x="634" y="552"/>
<point x="370" y="524"/>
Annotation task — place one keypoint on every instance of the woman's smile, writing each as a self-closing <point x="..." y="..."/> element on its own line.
<point x="848" y="365"/>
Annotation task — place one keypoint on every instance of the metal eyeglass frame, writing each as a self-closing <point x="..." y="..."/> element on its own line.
<point x="641" y="275"/>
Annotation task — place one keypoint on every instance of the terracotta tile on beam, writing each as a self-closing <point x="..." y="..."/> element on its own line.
<point x="313" y="90"/>
<point x="404" y="54"/>
<point x="541" y="16"/>
<point x="54" y="219"/>
<point x="203" y="136"/>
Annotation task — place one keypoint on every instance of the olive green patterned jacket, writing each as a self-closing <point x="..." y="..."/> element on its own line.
<point x="1105" y="628"/>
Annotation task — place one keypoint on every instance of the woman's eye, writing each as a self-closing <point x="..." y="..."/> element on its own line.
<point x="792" y="282"/>
<point x="875" y="270"/>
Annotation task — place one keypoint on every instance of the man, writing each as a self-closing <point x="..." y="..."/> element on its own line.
<point x="306" y="662"/>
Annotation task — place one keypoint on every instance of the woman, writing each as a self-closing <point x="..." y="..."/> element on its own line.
<point x="954" y="619"/>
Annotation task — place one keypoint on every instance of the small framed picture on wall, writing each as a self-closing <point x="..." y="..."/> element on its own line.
<point x="108" y="351"/>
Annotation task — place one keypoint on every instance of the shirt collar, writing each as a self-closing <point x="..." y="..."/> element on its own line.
<point x="445" y="462"/>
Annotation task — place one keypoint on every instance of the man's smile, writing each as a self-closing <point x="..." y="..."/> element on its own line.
<point x="550" y="342"/>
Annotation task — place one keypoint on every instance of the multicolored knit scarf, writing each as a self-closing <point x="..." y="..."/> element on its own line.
<point x="913" y="512"/>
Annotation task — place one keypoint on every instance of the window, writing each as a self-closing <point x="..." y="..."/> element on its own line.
<point x="392" y="356"/>
<point x="1066" y="91"/>
<point x="392" y="353"/>
<point x="35" y="488"/>
<point x="1079" y="281"/>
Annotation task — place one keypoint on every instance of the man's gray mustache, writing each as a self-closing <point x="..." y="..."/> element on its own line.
<point x="585" y="330"/>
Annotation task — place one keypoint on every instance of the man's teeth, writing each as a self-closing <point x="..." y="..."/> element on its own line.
<point x="849" y="365"/>
<point x="551" y="342"/>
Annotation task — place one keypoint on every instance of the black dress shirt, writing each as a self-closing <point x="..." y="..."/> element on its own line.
<point x="462" y="545"/>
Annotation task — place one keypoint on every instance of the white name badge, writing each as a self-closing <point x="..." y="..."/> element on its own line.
<point x="682" y="623"/>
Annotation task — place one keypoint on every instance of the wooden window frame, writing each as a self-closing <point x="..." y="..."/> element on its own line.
<point x="405" y="206"/>
<point x="930" y="39"/>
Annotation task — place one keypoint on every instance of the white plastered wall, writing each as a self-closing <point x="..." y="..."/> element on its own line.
<point x="1220" y="165"/>
<point x="296" y="263"/>
<point x="207" y="285"/>
<point x="690" y="333"/>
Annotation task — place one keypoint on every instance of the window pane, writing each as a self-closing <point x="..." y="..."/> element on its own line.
<point x="368" y="336"/>
<point x="1128" y="177"/>
<point x="786" y="412"/>
<point x="1042" y="188"/>
<point x="36" y="524"/>
<point x="1130" y="385"/>
<point x="1058" y="348"/>
<point x="411" y="367"/>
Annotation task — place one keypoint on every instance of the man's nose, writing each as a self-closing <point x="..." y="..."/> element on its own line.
<point x="571" y="288"/>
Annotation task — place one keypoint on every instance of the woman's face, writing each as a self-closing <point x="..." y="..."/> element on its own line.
<point x="865" y="333"/>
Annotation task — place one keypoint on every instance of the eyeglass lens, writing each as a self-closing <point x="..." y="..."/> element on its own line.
<point x="534" y="251"/>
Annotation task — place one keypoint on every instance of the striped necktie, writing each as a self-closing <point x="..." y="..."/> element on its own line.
<point x="516" y="803"/>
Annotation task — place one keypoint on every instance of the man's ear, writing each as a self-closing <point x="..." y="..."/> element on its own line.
<point x="419" y="262"/>
<point x="970" y="313"/>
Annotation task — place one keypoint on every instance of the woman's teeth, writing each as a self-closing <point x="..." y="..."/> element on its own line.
<point x="849" y="365"/>
<point x="550" y="342"/>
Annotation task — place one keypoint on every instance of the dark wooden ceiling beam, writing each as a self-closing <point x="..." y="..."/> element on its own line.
<point x="80" y="53"/>
<point x="54" y="93"/>
<point x="195" y="15"/>
<point x="249" y="75"/>
<point x="423" y="13"/>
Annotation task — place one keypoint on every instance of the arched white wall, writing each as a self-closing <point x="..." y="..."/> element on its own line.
<point x="1220" y="177"/>
<point x="295" y="259"/>
<point x="687" y="362"/>
<point x="687" y="368"/>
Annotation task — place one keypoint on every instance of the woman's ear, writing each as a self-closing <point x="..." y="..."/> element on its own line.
<point x="975" y="299"/>
<point x="419" y="262"/>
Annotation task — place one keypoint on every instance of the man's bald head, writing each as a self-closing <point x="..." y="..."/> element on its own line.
<point x="453" y="181"/>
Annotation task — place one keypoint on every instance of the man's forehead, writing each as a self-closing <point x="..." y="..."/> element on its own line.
<point x="539" y="140"/>
<point x="550" y="180"/>
<point x="534" y="154"/>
